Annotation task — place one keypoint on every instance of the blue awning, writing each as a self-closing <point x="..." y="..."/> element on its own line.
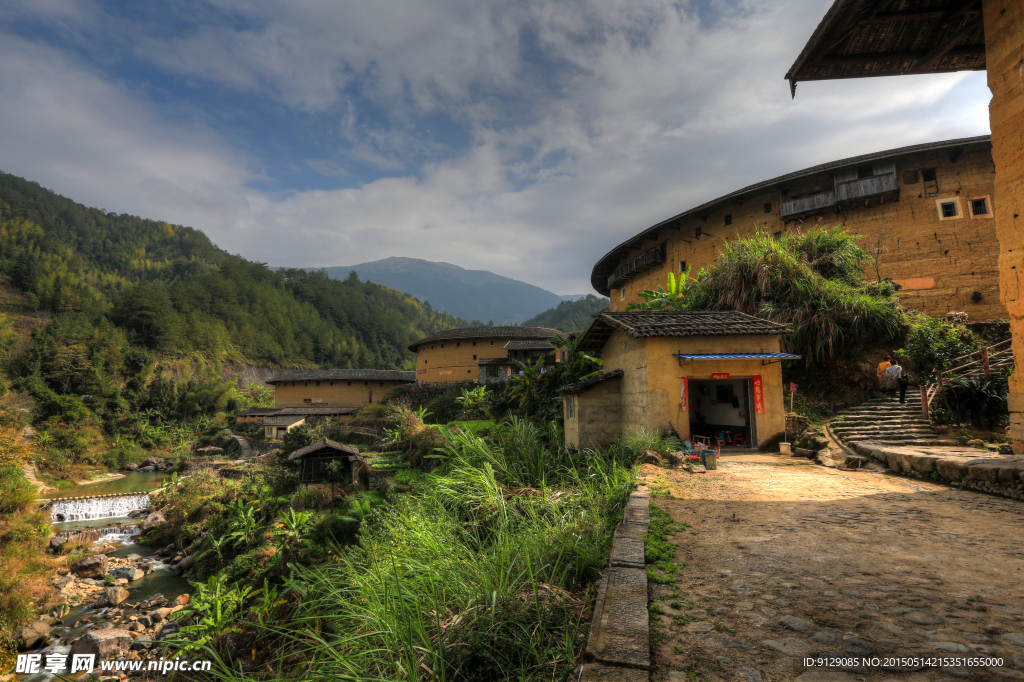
<point x="739" y="356"/>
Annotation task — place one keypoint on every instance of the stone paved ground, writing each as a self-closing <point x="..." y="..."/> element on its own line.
<point x="786" y="559"/>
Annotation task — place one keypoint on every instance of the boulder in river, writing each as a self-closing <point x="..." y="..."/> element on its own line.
<point x="91" y="567"/>
<point x="127" y="572"/>
<point x="152" y="520"/>
<point x="33" y="634"/>
<point x="114" y="596"/>
<point x="104" y="644"/>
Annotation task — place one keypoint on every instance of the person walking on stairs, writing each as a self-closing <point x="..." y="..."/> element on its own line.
<point x="895" y="373"/>
<point x="882" y="367"/>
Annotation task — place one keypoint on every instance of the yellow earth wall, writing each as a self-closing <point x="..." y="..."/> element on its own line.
<point x="1004" y="56"/>
<point x="651" y="385"/>
<point x="940" y="263"/>
<point x="336" y="393"/>
<point x="598" y="421"/>
<point x="455" y="361"/>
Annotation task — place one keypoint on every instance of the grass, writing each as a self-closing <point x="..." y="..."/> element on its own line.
<point x="659" y="552"/>
<point x="487" y="573"/>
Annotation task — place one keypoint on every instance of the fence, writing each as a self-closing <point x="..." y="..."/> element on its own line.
<point x="988" y="359"/>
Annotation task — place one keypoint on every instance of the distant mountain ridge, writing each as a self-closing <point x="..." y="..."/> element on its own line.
<point x="470" y="294"/>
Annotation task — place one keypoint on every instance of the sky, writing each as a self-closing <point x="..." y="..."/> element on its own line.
<point x="525" y="138"/>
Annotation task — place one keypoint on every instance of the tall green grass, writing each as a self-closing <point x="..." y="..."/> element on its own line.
<point x="484" y="575"/>
<point x="812" y="281"/>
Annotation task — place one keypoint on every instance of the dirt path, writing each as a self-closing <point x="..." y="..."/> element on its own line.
<point x="860" y="564"/>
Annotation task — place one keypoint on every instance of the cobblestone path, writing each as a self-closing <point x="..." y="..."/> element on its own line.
<point x="787" y="560"/>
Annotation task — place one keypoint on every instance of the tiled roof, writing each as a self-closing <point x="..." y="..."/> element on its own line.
<point x="587" y="383"/>
<point x="345" y="375"/>
<point x="314" y="411"/>
<point x="327" y="443"/>
<point x="281" y="421"/>
<point x="257" y="412"/>
<point x="489" y="333"/>
<point x="494" y="361"/>
<point x="660" y="323"/>
<point x="538" y="344"/>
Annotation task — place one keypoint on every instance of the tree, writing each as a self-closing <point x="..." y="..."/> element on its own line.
<point x="299" y="437"/>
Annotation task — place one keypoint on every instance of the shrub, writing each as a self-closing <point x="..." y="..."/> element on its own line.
<point x="977" y="399"/>
<point x="932" y="344"/>
<point x="443" y="409"/>
<point x="299" y="437"/>
<point x="16" y="493"/>
<point x="334" y="528"/>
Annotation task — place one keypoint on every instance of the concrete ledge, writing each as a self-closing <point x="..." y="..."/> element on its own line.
<point x="619" y="645"/>
<point x="967" y="467"/>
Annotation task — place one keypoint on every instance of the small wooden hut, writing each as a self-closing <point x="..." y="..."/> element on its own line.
<point x="314" y="459"/>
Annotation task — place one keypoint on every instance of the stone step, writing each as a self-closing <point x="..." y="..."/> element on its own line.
<point x="840" y="428"/>
<point x="882" y="420"/>
<point x="884" y="432"/>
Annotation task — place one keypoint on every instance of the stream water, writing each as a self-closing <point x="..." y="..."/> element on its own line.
<point x="109" y="516"/>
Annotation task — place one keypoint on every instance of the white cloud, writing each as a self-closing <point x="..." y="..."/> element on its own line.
<point x="631" y="111"/>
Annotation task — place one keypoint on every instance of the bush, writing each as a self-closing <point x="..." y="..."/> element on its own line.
<point x="299" y="437"/>
<point x="443" y="409"/>
<point x="334" y="528"/>
<point x="16" y="493"/>
<point x="977" y="399"/>
<point x="932" y="344"/>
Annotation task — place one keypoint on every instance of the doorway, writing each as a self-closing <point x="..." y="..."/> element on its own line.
<point x="720" y="409"/>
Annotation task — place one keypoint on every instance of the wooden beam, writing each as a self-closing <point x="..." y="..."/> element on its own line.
<point x="890" y="17"/>
<point x="950" y="42"/>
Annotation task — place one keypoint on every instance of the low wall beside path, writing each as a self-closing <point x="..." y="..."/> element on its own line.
<point x="619" y="646"/>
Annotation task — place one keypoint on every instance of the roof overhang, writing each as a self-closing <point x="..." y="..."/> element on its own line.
<point x="865" y="38"/>
<point x="765" y="358"/>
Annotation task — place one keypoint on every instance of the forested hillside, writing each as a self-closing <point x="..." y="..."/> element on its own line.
<point x="168" y="290"/>
<point x="570" y="316"/>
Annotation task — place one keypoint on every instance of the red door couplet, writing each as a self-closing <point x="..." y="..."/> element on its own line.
<point x="758" y="394"/>
<point x="684" y="395"/>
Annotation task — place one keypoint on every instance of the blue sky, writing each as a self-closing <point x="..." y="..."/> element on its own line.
<point x="523" y="138"/>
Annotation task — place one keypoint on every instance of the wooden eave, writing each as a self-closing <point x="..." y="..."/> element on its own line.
<point x="864" y="38"/>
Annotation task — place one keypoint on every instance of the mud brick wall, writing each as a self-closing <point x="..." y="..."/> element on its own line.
<point x="940" y="263"/>
<point x="1004" y="56"/>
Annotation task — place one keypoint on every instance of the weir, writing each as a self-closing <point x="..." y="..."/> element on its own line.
<point x="100" y="507"/>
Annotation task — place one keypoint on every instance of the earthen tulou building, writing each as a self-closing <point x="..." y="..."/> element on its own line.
<point x="482" y="354"/>
<point x="927" y="212"/>
<point x="866" y="38"/>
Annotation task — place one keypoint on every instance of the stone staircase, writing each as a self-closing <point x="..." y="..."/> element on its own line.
<point x="886" y="421"/>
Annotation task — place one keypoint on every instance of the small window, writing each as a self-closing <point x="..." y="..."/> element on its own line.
<point x="350" y="383"/>
<point x="570" y="408"/>
<point x="979" y="206"/>
<point x="382" y="383"/>
<point x="468" y="371"/>
<point x="931" y="182"/>
<point x="492" y="343"/>
<point x="332" y="383"/>
<point x="622" y="294"/>
<point x="305" y="383"/>
<point x="682" y="266"/>
<point x="366" y="383"/>
<point x="458" y="344"/>
<point x="474" y="343"/>
<point x="768" y="207"/>
<point x="865" y="171"/>
<point x="442" y="345"/>
<point x="728" y="219"/>
<point x="474" y="357"/>
<point x="318" y="383"/>
<point x="431" y="348"/>
<point x="948" y="208"/>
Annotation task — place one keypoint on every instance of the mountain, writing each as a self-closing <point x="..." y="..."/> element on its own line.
<point x="469" y="294"/>
<point x="570" y="315"/>
<point x="164" y="290"/>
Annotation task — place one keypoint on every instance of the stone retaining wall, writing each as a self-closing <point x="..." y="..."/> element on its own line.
<point x="619" y="646"/>
<point x="966" y="467"/>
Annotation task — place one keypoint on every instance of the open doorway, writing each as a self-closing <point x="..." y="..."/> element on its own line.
<point x="720" y="410"/>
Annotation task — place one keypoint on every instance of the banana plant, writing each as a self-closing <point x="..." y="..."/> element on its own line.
<point x="669" y="297"/>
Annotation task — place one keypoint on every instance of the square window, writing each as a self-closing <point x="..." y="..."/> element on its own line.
<point x="332" y="383"/>
<point x="492" y="343"/>
<point x="728" y="219"/>
<point x="948" y="209"/>
<point x="928" y="175"/>
<point x="350" y="383"/>
<point x="474" y="343"/>
<point x="979" y="206"/>
<point x="768" y="207"/>
<point x="865" y="171"/>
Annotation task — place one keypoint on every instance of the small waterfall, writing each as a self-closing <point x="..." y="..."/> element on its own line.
<point x="105" y="507"/>
<point x="124" y="534"/>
